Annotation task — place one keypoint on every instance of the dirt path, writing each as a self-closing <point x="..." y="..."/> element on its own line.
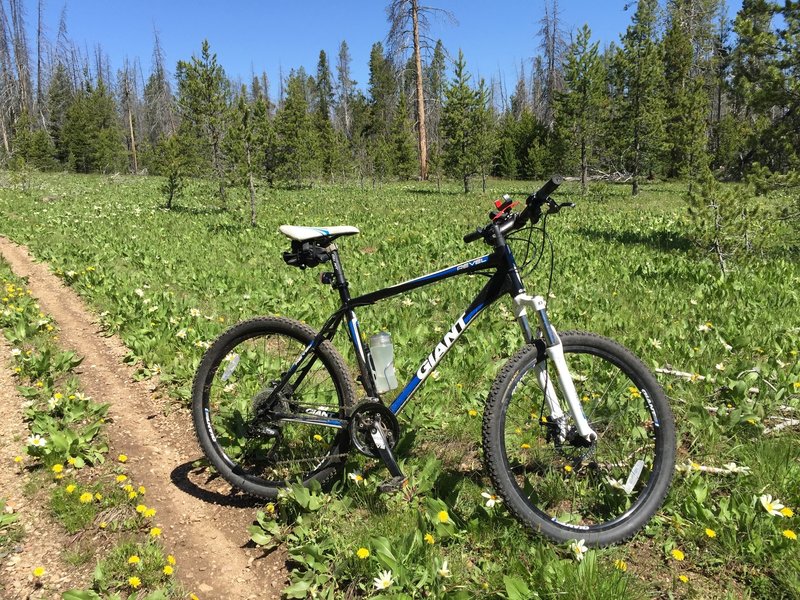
<point x="203" y="523"/>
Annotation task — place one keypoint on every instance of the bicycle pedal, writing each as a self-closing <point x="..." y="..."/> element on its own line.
<point x="395" y="484"/>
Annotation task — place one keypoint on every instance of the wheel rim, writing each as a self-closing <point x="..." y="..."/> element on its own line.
<point x="574" y="487"/>
<point x="264" y="446"/>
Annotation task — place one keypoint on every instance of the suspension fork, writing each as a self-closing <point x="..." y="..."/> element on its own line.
<point x="555" y="352"/>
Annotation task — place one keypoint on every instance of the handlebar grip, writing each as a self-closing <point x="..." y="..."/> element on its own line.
<point x="473" y="236"/>
<point x="549" y="187"/>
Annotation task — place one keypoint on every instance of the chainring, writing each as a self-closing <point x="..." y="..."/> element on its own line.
<point x="364" y="416"/>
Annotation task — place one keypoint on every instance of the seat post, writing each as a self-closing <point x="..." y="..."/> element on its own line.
<point x="338" y="273"/>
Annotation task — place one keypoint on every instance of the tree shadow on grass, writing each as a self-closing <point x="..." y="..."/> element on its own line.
<point x="197" y="481"/>
<point x="665" y="241"/>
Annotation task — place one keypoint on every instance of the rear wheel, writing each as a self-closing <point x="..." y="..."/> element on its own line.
<point x="602" y="492"/>
<point x="246" y="430"/>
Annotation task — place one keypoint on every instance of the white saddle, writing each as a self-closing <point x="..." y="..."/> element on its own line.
<point x="304" y="234"/>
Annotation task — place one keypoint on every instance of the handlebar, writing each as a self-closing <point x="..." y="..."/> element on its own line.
<point x="532" y="211"/>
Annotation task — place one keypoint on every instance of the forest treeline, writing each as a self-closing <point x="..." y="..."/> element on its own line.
<point x="686" y="91"/>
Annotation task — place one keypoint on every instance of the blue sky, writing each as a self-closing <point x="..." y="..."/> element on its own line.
<point x="268" y="35"/>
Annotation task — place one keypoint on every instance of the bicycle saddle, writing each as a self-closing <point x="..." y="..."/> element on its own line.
<point x="307" y="234"/>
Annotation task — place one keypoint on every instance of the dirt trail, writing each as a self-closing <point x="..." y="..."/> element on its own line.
<point x="204" y="525"/>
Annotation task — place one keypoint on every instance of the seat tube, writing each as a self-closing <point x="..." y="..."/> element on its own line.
<point x="353" y="328"/>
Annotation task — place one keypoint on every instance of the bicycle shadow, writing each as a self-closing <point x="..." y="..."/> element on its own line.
<point x="197" y="482"/>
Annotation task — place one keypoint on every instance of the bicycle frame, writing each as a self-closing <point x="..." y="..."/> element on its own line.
<point x="506" y="279"/>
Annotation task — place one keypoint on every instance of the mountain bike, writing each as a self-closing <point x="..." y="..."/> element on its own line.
<point x="578" y="437"/>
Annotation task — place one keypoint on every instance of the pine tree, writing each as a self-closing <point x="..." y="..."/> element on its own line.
<point x="329" y="146"/>
<point x="383" y="98"/>
<point x="241" y="150"/>
<point x="297" y="138"/>
<point x="344" y="90"/>
<point x="404" y="153"/>
<point x="203" y="92"/>
<point x="461" y="125"/>
<point x="580" y="107"/>
<point x="642" y="111"/>
<point x="59" y="98"/>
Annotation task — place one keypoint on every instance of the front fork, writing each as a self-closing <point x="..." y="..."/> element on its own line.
<point x="555" y="352"/>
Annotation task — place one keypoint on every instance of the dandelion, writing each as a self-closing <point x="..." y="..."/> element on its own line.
<point x="150" y="513"/>
<point x="140" y="508"/>
<point x="444" y="571"/>
<point x="362" y="553"/>
<point x="142" y="490"/>
<point x="711" y="533"/>
<point x="103" y="525"/>
<point x="472" y="412"/>
<point x="98" y="496"/>
<point x="86" y="498"/>
<point x="58" y="468"/>
<point x="127" y="487"/>
<point x="429" y="539"/>
<point x="122" y="458"/>
<point x="171" y="559"/>
<point x="155" y="532"/>
<point x="383" y="580"/>
<point x="134" y="560"/>
<point x="18" y="459"/>
<point x="37" y="441"/>
<point x="356" y="477"/>
<point x="683" y="578"/>
<point x="38" y="572"/>
<point x="132" y="495"/>
<point x="788" y="533"/>
<point x="168" y="570"/>
<point x="134" y="582"/>
<point x="71" y="461"/>
<point x="787" y="512"/>
<point x="525" y="446"/>
<point x="491" y="499"/>
<point x="317" y="437"/>
<point x="772" y="507"/>
<point x="568" y="468"/>
<point x="621" y="565"/>
<point x="121" y="478"/>
<point x="270" y="508"/>
<point x="70" y="488"/>
<point x="677" y="555"/>
<point x="578" y="549"/>
<point x="443" y="516"/>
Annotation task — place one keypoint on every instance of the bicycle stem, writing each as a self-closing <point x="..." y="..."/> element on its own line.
<point x="555" y="352"/>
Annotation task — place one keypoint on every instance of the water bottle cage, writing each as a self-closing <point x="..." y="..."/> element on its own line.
<point x="306" y="254"/>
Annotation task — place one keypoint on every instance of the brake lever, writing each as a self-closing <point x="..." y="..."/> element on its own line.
<point x="554" y="207"/>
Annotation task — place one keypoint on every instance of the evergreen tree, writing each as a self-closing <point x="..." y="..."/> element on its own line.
<point x="329" y="146"/>
<point x="241" y="150"/>
<point x="383" y="94"/>
<point x="203" y="92"/>
<point x="434" y="91"/>
<point x="580" y="107"/>
<point x="461" y="125"/>
<point x="297" y="138"/>
<point x="59" y="98"/>
<point x="344" y="90"/>
<point x="642" y="111"/>
<point x="404" y="154"/>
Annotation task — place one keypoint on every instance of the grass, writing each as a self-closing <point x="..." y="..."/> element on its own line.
<point x="625" y="268"/>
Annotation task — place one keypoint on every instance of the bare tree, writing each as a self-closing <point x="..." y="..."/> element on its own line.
<point x="552" y="46"/>
<point x="409" y="24"/>
<point x="344" y="89"/>
<point x="126" y="84"/>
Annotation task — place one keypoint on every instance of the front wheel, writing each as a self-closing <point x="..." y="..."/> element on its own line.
<point x="568" y="489"/>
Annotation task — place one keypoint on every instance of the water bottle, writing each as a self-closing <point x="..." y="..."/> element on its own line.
<point x="382" y="352"/>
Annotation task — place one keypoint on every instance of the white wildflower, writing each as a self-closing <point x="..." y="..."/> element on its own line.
<point x="181" y="334"/>
<point x="578" y="549"/>
<point x="383" y="580"/>
<point x="37" y="441"/>
<point x="16" y="352"/>
<point x="444" y="571"/>
<point x="139" y="292"/>
<point x="491" y="499"/>
<point x="194" y="312"/>
<point x="773" y="507"/>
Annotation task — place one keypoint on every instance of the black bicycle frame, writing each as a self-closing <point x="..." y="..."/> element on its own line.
<point x="506" y="279"/>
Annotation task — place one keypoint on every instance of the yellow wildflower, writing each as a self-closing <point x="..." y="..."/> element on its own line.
<point x="38" y="571"/>
<point x="677" y="554"/>
<point x="70" y="488"/>
<point x="472" y="412"/>
<point x="317" y="437"/>
<point x="155" y="531"/>
<point x="58" y="468"/>
<point x="170" y="559"/>
<point x="140" y="508"/>
<point x="788" y="533"/>
<point x="121" y="478"/>
<point x="18" y="459"/>
<point x="362" y="553"/>
<point x="621" y="565"/>
<point x="787" y="512"/>
<point x="142" y="490"/>
<point x="443" y="516"/>
<point x="122" y="458"/>
<point x="103" y="525"/>
<point x="683" y="578"/>
<point x="86" y="498"/>
<point x="525" y="446"/>
<point x="168" y="570"/>
<point x="134" y="560"/>
<point x="134" y="582"/>
<point x="429" y="538"/>
<point x="98" y="496"/>
<point x="711" y="533"/>
<point x="150" y="513"/>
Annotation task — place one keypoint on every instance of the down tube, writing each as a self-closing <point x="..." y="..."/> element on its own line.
<point x="435" y="357"/>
